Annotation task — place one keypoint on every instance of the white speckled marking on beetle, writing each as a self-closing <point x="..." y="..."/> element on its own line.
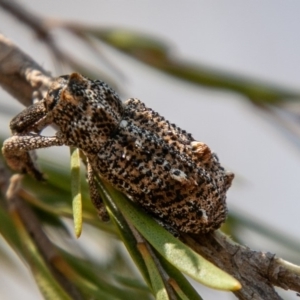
<point x="158" y="165"/>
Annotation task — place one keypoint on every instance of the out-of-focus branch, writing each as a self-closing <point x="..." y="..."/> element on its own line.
<point x="42" y="29"/>
<point x="25" y="16"/>
<point x="20" y="75"/>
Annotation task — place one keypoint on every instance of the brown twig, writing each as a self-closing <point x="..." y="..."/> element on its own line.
<point x="258" y="272"/>
<point x="20" y="75"/>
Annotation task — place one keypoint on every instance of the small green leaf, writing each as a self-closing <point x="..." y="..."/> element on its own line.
<point x="180" y="284"/>
<point x="132" y="42"/>
<point x="125" y="232"/>
<point x="76" y="191"/>
<point x="157" y="282"/>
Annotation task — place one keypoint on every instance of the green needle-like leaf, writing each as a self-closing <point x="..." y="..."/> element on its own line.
<point x="125" y="232"/>
<point x="157" y="282"/>
<point x="76" y="191"/>
<point x="180" y="284"/>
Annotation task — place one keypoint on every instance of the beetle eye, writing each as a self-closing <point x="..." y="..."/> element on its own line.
<point x="65" y="77"/>
<point x="54" y="93"/>
<point x="52" y="99"/>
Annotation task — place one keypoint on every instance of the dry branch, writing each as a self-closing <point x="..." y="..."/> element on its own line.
<point x="258" y="272"/>
<point x="20" y="75"/>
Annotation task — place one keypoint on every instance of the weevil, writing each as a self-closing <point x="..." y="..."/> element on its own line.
<point x="173" y="177"/>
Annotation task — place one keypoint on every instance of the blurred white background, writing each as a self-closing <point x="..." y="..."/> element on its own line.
<point x="256" y="39"/>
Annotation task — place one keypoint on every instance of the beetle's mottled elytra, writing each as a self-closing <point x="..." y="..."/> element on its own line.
<point x="176" y="179"/>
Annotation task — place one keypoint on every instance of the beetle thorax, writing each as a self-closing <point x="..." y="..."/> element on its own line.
<point x="86" y="112"/>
